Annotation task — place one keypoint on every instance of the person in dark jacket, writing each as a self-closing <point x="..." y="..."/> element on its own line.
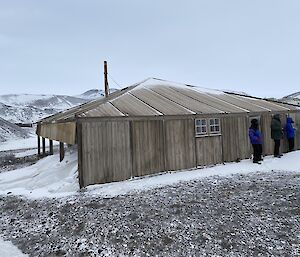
<point x="256" y="141"/>
<point x="290" y="133"/>
<point x="276" y="134"/>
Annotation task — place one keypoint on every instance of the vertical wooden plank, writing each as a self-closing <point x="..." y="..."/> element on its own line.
<point x="180" y="144"/>
<point x="79" y="152"/>
<point x="148" y="153"/>
<point x="297" y="126"/>
<point x="235" y="142"/>
<point x="61" y="151"/>
<point x="209" y="150"/>
<point x="106" y="154"/>
<point x="268" y="144"/>
<point x="284" y="142"/>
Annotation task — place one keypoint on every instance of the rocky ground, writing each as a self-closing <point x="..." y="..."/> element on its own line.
<point x="8" y="160"/>
<point x="243" y="215"/>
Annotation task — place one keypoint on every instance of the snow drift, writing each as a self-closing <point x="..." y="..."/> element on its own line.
<point x="50" y="178"/>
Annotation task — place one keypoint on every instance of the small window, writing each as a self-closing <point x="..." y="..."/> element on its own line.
<point x="214" y="126"/>
<point x="201" y="127"/>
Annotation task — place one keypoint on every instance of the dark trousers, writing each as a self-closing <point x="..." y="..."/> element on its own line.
<point x="257" y="152"/>
<point x="276" y="147"/>
<point x="291" y="144"/>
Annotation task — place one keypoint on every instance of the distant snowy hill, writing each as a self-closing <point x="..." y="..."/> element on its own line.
<point x="27" y="108"/>
<point x="94" y="93"/>
<point x="294" y="95"/>
<point x="9" y="130"/>
<point x="292" y="98"/>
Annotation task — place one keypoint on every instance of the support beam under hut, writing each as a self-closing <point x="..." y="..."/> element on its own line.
<point x="61" y="151"/>
<point x="44" y="146"/>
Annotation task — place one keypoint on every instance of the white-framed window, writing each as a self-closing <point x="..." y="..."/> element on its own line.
<point x="214" y="126"/>
<point x="201" y="127"/>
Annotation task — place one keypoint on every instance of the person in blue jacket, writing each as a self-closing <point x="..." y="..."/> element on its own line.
<point x="290" y="133"/>
<point x="256" y="141"/>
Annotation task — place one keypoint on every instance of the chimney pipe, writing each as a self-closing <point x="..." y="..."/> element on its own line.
<point x="106" y="80"/>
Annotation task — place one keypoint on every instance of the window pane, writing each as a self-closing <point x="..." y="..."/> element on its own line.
<point x="198" y="122"/>
<point x="211" y="121"/>
<point x="217" y="121"/>
<point x="203" y="122"/>
<point x="218" y="128"/>
<point x="212" y="129"/>
<point x="199" y="130"/>
<point x="203" y="129"/>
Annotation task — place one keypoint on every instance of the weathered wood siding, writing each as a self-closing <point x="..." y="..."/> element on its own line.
<point x="235" y="140"/>
<point x="284" y="142"/>
<point x="63" y="132"/>
<point x="268" y="142"/>
<point x="179" y="144"/>
<point x="114" y="150"/>
<point x="297" y="126"/>
<point x="265" y="126"/>
<point x="147" y="147"/>
<point x="105" y="151"/>
<point x="209" y="150"/>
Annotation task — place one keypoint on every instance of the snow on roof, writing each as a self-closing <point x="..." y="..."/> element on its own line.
<point x="154" y="97"/>
<point x="154" y="82"/>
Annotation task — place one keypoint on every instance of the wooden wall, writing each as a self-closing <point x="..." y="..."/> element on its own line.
<point x="147" y="147"/>
<point x="297" y="125"/>
<point x="63" y="132"/>
<point x="265" y="126"/>
<point x="235" y="141"/>
<point x="268" y="143"/>
<point x="209" y="150"/>
<point x="105" y="152"/>
<point x="114" y="150"/>
<point x="179" y="144"/>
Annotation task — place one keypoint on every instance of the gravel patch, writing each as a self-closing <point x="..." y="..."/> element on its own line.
<point x="243" y="215"/>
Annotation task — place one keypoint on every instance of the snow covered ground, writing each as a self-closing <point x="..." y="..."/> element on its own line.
<point x="14" y="144"/>
<point x="7" y="249"/>
<point x="50" y="178"/>
<point x="47" y="178"/>
<point x="235" y="209"/>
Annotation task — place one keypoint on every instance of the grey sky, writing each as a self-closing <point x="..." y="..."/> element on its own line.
<point x="58" y="46"/>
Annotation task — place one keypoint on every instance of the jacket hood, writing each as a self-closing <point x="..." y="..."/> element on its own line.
<point x="276" y="117"/>
<point x="289" y="120"/>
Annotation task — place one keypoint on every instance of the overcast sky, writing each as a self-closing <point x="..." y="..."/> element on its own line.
<point x="58" y="46"/>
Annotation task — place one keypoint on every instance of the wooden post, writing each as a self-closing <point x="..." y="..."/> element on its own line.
<point x="39" y="145"/>
<point x="61" y="151"/>
<point x="79" y="151"/>
<point x="51" y="146"/>
<point x="44" y="146"/>
<point x="106" y="80"/>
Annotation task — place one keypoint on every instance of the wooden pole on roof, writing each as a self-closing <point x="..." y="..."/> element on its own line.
<point x="106" y="80"/>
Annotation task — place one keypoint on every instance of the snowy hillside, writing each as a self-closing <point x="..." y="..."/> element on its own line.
<point x="94" y="93"/>
<point x="292" y="98"/>
<point x="10" y="131"/>
<point x="27" y="108"/>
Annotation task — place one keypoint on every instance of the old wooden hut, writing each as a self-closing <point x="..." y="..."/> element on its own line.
<point x="156" y="126"/>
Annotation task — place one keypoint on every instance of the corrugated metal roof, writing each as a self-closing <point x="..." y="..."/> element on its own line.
<point x="154" y="97"/>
